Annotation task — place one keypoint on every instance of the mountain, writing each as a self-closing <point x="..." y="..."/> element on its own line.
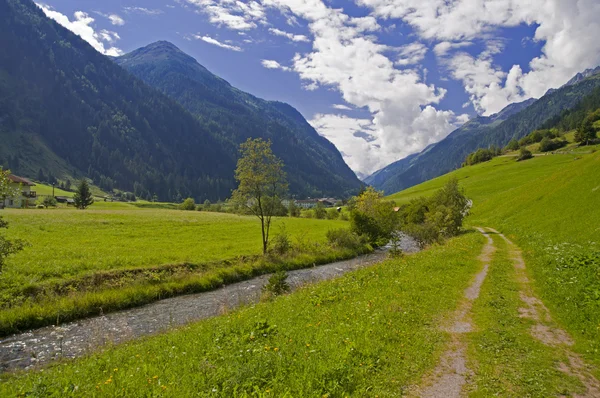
<point x="582" y="76"/>
<point x="515" y="121"/>
<point x="313" y="164"/>
<point x="70" y="111"/>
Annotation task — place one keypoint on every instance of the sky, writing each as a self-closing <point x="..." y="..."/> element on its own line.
<point x="381" y="79"/>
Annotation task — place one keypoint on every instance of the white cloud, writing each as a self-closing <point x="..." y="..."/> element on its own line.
<point x="116" y="20"/>
<point x="346" y="57"/>
<point x="412" y="53"/>
<point x="215" y="42"/>
<point x="233" y="14"/>
<point x="291" y="36"/>
<point x="271" y="64"/>
<point x="341" y="107"/>
<point x="443" y="48"/>
<point x="567" y="29"/>
<point x="81" y="26"/>
<point x="143" y="10"/>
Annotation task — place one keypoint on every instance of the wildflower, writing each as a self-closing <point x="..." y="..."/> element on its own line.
<point x="275" y="349"/>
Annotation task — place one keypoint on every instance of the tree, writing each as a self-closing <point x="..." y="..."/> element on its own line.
<point x="262" y="183"/>
<point x="7" y="247"/>
<point x="586" y="132"/>
<point x="373" y="217"/>
<point x="513" y="145"/>
<point x="49" y="201"/>
<point x="83" y="195"/>
<point x="188" y="204"/>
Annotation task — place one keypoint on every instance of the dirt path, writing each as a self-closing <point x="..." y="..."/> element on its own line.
<point x="450" y="376"/>
<point x="545" y="329"/>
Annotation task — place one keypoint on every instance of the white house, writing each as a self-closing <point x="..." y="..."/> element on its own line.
<point x="26" y="196"/>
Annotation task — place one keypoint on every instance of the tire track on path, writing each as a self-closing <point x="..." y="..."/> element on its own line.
<point x="545" y="329"/>
<point x="450" y="376"/>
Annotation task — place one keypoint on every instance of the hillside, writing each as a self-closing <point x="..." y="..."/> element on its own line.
<point x="515" y="121"/>
<point x="313" y="164"/>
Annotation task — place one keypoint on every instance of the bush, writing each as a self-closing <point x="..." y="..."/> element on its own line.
<point x="281" y="243"/>
<point x="333" y="214"/>
<point x="293" y="209"/>
<point x="344" y="238"/>
<point x="277" y="284"/>
<point x="344" y="216"/>
<point x="373" y="217"/>
<point x="188" y="204"/>
<point x="513" y="145"/>
<point x="547" y="145"/>
<point x="320" y="211"/>
<point x="49" y="201"/>
<point x="524" y="154"/>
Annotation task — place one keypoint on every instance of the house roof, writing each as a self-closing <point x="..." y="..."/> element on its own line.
<point x="20" y="180"/>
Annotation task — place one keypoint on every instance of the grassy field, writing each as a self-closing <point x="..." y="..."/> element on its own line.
<point x="549" y="206"/>
<point x="371" y="333"/>
<point x="79" y="261"/>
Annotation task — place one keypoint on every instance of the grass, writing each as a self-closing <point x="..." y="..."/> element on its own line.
<point x="549" y="207"/>
<point x="507" y="361"/>
<point x="370" y="333"/>
<point x="83" y="262"/>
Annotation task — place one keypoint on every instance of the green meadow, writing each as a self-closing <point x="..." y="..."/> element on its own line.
<point x="81" y="261"/>
<point x="370" y="333"/>
<point x="549" y="206"/>
<point x="376" y="331"/>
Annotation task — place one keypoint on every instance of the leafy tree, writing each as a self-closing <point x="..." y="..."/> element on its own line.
<point x="49" y="201"/>
<point x="262" y="183"/>
<point x="188" y="204"/>
<point x="373" y="217"/>
<point x="83" y="195"/>
<point x="206" y="205"/>
<point x="7" y="247"/>
<point x="320" y="211"/>
<point x="586" y="132"/>
<point x="513" y="145"/>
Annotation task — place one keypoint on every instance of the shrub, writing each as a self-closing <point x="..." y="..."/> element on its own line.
<point x="524" y="154"/>
<point x="320" y="211"/>
<point x="344" y="216"/>
<point x="293" y="209"/>
<point x="547" y="145"/>
<point x="49" y="201"/>
<point x="332" y="214"/>
<point x="344" y="238"/>
<point x="188" y="204"/>
<point x="513" y="145"/>
<point x="373" y="217"/>
<point x="281" y="243"/>
<point x="277" y="284"/>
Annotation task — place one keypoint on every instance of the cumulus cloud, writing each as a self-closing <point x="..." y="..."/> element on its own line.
<point x="290" y="36"/>
<point x="81" y="25"/>
<point x="568" y="30"/>
<point x="217" y="43"/>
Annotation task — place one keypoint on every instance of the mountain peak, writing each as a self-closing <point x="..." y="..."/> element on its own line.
<point x="582" y="75"/>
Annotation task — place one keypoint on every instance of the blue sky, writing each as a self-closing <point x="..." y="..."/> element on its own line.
<point x="380" y="78"/>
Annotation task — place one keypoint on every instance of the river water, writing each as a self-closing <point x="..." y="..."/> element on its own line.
<point x="74" y="339"/>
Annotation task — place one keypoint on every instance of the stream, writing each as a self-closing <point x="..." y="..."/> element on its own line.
<point x="70" y="340"/>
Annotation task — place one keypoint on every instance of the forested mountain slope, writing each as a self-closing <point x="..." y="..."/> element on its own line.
<point x="313" y="164"/>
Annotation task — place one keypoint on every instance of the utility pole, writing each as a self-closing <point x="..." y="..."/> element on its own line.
<point x="53" y="189"/>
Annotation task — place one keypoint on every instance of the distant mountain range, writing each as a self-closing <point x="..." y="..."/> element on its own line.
<point x="69" y="111"/>
<point x="515" y="121"/>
